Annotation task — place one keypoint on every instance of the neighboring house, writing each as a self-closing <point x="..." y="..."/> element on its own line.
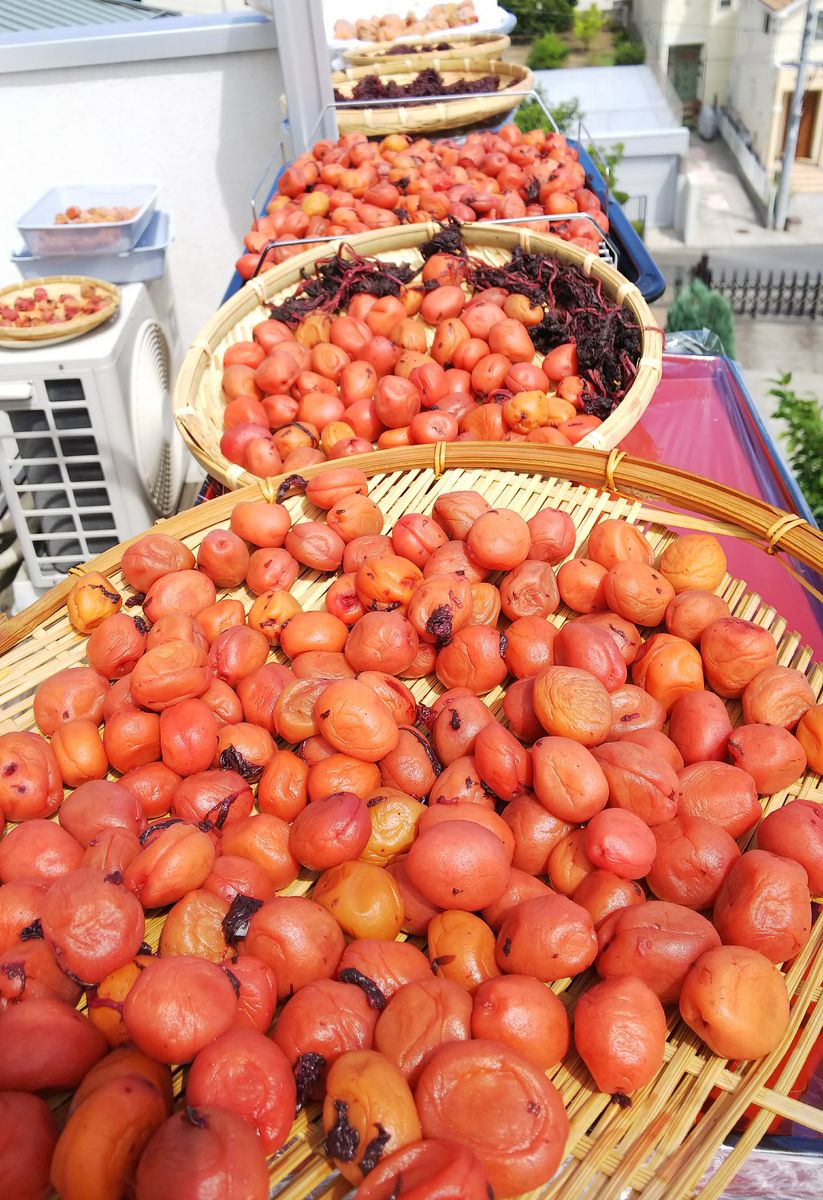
<point x="762" y="79"/>
<point x="691" y="42"/>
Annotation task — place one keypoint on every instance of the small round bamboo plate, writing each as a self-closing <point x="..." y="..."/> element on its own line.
<point x="384" y="55"/>
<point x="660" y="1147"/>
<point x="198" y="397"/>
<point x="430" y="116"/>
<point x="50" y="335"/>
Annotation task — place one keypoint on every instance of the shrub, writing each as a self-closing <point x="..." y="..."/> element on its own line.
<point x="547" y="52"/>
<point x="587" y="25"/>
<point x="698" y="307"/>
<point x="537" y="17"/>
<point x="804" y="439"/>
<point x="629" y="54"/>
<point x="530" y="115"/>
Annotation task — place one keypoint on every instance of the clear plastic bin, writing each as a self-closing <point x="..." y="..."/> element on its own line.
<point x="42" y="236"/>
<point x="143" y="263"/>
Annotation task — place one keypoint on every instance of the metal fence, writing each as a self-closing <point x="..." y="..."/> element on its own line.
<point x="765" y="293"/>
<point x="635" y="210"/>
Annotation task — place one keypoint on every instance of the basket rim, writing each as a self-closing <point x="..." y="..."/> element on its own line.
<point x="613" y="472"/>
<point x="377" y="52"/>
<point x="257" y="291"/>
<point x="472" y="66"/>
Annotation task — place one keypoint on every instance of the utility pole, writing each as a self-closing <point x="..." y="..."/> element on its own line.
<point x="781" y="206"/>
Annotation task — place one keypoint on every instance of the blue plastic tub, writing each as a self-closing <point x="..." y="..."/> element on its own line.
<point x="42" y="236"/>
<point x="633" y="259"/>
<point x="143" y="263"/>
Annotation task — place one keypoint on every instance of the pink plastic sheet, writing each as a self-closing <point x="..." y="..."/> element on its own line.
<point x="702" y="420"/>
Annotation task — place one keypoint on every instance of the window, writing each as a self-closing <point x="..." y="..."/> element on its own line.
<point x="725" y="3"/>
<point x="767" y="23"/>
<point x="818" y="30"/>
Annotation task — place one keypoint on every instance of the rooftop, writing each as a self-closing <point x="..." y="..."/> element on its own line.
<point x="19" y="15"/>
<point x="613" y="100"/>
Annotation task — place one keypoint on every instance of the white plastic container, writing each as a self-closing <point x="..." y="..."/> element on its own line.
<point x="42" y="236"/>
<point x="143" y="263"/>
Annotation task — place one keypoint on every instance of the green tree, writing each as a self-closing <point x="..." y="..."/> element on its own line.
<point x="629" y="54"/>
<point x="698" y="307"/>
<point x="804" y="439"/>
<point x="536" y="17"/>
<point x="531" y="116"/>
<point x="587" y="25"/>
<point x="547" y="52"/>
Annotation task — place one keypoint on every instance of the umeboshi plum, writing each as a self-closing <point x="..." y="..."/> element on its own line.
<point x="498" y="540"/>
<point x="456" y="512"/>
<point x="421" y="1016"/>
<point x="720" y="793"/>
<point x="568" y="781"/>
<point x="175" y="858"/>
<point x="693" y="560"/>
<point x="331" y="830"/>
<point x="777" y="696"/>
<point x="529" y="590"/>
<point x="366" y="1098"/>
<point x="617" y="840"/>
<point x="99" y="805"/>
<point x="152" y="556"/>
<point x="263" y="524"/>
<point x="591" y="649"/>
<point x="382" y="967"/>
<point x="169" y="673"/>
<point x="457" y="724"/>
<point x="257" y="997"/>
<point x="736" y="1001"/>
<point x="461" y="949"/>
<point x="572" y="703"/>
<point x="657" y="942"/>
<point x="28" y="1134"/>
<point x="183" y="592"/>
<point x="246" y="1073"/>
<point x="553" y="535"/>
<point x="772" y="756"/>
<point x="92" y="923"/>
<point x="382" y="641"/>
<point x="549" y="937"/>
<point x="692" y="859"/>
<point x="635" y="591"/>
<point x="620" y="1033"/>
<point x="45" y="1044"/>
<point x="634" y="710"/>
<point x="177" y="1006"/>
<point x="202" y="1151"/>
<point x="458" y="864"/>
<point x="764" y="904"/>
<point x="668" y="667"/>
<point x="91" y="600"/>
<point x="194" y="926"/>
<point x="317" y="1024"/>
<point x="73" y="692"/>
<point x="38" y="851"/>
<point x="188" y="736"/>
<point x="363" y="899"/>
<point x="700" y="727"/>
<point x="529" y="646"/>
<point x="355" y="721"/>
<point x="613" y="541"/>
<point x="602" y="892"/>
<point x="426" y="1169"/>
<point x="412" y="766"/>
<point x="692" y="611"/>
<point x="582" y="585"/>
<point x="733" y="652"/>
<point x="30" y="783"/>
<point x="639" y="780"/>
<point x="808" y="731"/>
<point x="224" y="557"/>
<point x="115" y="646"/>
<point x="524" y="1015"/>
<point x="20" y="905"/>
<point x="298" y="939"/>
<point x="794" y="831"/>
<point x="485" y="1095"/>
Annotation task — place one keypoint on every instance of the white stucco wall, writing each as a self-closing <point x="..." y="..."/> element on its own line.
<point x="666" y="23"/>
<point x="202" y="126"/>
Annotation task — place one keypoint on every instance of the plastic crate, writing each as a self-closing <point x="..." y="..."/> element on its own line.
<point x="42" y="236"/>
<point x="143" y="263"/>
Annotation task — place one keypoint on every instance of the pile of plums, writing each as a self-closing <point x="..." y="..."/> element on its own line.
<point x="354" y="185"/>
<point x="223" y="748"/>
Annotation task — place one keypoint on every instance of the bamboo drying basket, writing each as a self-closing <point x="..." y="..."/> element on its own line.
<point x="660" y="1147"/>
<point x="55" y="285"/>
<point x="198" y="398"/>
<point x="473" y="46"/>
<point x="432" y="116"/>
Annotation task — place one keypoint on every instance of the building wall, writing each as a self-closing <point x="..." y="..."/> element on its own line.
<point x="204" y="127"/>
<point x="663" y="24"/>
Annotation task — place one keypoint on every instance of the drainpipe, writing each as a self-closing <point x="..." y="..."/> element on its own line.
<point x="781" y="206"/>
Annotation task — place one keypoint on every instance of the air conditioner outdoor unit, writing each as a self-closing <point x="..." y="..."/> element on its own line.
<point x="89" y="453"/>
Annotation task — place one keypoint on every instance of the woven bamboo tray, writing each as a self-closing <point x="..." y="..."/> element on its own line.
<point x="378" y="55"/>
<point x="198" y="398"/>
<point x="55" y="285"/>
<point x="431" y="116"/>
<point x="660" y="1147"/>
